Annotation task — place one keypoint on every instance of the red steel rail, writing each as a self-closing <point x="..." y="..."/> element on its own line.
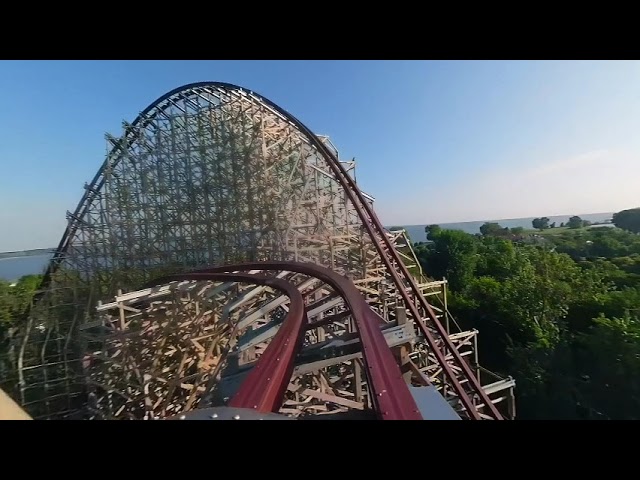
<point x="391" y="397"/>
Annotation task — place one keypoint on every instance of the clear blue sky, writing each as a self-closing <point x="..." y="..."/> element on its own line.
<point x="435" y="141"/>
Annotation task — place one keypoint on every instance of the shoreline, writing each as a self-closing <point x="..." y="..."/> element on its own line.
<point x="26" y="253"/>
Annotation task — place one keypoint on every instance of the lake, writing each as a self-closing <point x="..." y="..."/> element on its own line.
<point x="15" y="267"/>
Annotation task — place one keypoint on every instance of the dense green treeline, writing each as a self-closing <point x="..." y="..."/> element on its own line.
<point x="560" y="314"/>
<point x="15" y="299"/>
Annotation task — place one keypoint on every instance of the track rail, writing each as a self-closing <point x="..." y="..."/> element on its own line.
<point x="264" y="388"/>
<point x="390" y="394"/>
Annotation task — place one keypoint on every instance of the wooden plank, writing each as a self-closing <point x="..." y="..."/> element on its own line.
<point x="325" y="397"/>
<point x="10" y="410"/>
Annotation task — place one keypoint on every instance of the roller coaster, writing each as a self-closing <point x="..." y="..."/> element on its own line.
<point x="224" y="264"/>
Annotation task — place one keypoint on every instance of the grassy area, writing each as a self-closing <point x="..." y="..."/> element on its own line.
<point x="551" y="231"/>
<point x="559" y="230"/>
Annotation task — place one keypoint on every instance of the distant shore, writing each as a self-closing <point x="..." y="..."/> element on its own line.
<point x="26" y="253"/>
<point x="417" y="233"/>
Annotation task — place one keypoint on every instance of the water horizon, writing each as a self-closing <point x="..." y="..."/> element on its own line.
<point x="417" y="233"/>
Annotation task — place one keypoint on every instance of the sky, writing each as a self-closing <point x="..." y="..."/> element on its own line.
<point x="434" y="141"/>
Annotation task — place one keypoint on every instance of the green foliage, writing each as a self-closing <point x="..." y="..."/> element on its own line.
<point x="6" y="303"/>
<point x="15" y="299"/>
<point x="540" y="223"/>
<point x="452" y="255"/>
<point x="432" y="231"/>
<point x="493" y="229"/>
<point x="609" y="360"/>
<point x="575" y="222"/>
<point x="557" y="316"/>
<point x="496" y="257"/>
<point x="597" y="242"/>
<point x="628" y="220"/>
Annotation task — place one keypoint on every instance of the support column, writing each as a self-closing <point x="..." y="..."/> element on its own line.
<point x="404" y="350"/>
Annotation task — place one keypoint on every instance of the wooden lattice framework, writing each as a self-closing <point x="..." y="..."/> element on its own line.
<point x="206" y="175"/>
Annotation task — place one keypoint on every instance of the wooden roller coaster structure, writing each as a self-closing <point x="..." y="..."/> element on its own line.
<point x="223" y="263"/>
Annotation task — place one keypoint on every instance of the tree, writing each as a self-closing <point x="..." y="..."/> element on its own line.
<point x="540" y="223"/>
<point x="628" y="220"/>
<point x="453" y="256"/>
<point x="7" y="302"/>
<point x="517" y="230"/>
<point x="496" y="258"/>
<point x="575" y="222"/>
<point x="432" y="231"/>
<point x="606" y="247"/>
<point x="13" y="303"/>
<point x="553" y="225"/>
<point x="491" y="228"/>
<point x="561" y="224"/>
<point x="609" y="362"/>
